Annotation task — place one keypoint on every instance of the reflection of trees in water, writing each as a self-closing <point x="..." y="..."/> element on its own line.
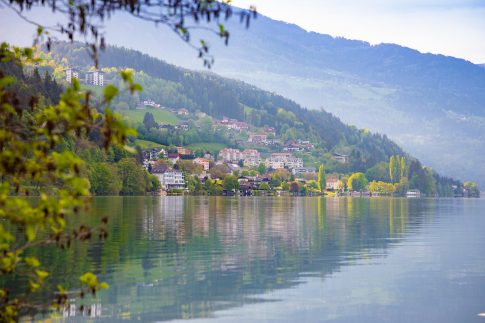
<point x="174" y="257"/>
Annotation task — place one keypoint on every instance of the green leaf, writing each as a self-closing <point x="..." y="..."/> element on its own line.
<point x="30" y="232"/>
<point x="41" y="274"/>
<point x="110" y="91"/>
<point x="7" y="80"/>
<point x="32" y="261"/>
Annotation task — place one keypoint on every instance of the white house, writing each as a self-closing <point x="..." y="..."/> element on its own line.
<point x="282" y="160"/>
<point x="94" y="78"/>
<point x="70" y="73"/>
<point x="172" y="179"/>
<point x="231" y="155"/>
<point x="303" y="170"/>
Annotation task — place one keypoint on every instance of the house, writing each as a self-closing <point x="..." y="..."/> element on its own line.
<point x="252" y="161"/>
<point x="172" y="179"/>
<point x="257" y="138"/>
<point x="182" y="126"/>
<point x="183" y="112"/>
<point x="270" y="131"/>
<point x="71" y="73"/>
<point x="343" y="159"/>
<point x="184" y="151"/>
<point x="94" y="78"/>
<point x="232" y="124"/>
<point x="151" y="103"/>
<point x="332" y="183"/>
<point x="169" y="127"/>
<point x="273" y="142"/>
<point x="202" y="161"/>
<point x="292" y="145"/>
<point x="250" y="153"/>
<point x="231" y="155"/>
<point x="173" y="157"/>
<point x="158" y="170"/>
<point x="283" y="160"/>
<point x="154" y="153"/>
<point x="207" y="155"/>
<point x="303" y="170"/>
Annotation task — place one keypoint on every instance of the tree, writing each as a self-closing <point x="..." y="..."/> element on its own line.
<point x="149" y="121"/>
<point x="210" y="186"/>
<point x="33" y="133"/>
<point x="471" y="189"/>
<point x="219" y="171"/>
<point x="322" y="183"/>
<point x="264" y="186"/>
<point x="83" y="19"/>
<point x="261" y="169"/>
<point x="357" y="182"/>
<point x="392" y="166"/>
<point x="314" y="185"/>
<point x="379" y="172"/>
<point x="104" y="180"/>
<point x="403" y="167"/>
<point x="294" y="187"/>
<point x="132" y="177"/>
<point x="381" y="187"/>
<point x="402" y="187"/>
<point x="230" y="183"/>
<point x="154" y="184"/>
<point x="35" y="159"/>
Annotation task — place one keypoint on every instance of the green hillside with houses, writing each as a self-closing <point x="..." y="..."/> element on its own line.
<point x="197" y="131"/>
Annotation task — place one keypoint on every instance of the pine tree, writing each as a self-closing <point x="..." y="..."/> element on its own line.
<point x="322" y="183"/>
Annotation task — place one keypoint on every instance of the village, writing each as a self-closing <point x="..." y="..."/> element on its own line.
<point x="269" y="167"/>
<point x="234" y="172"/>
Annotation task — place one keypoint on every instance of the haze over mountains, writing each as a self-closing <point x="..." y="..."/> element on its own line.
<point x="432" y="105"/>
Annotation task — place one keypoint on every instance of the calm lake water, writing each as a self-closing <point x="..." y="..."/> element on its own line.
<point x="284" y="259"/>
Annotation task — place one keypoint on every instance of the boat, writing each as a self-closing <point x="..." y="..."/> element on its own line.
<point x="413" y="193"/>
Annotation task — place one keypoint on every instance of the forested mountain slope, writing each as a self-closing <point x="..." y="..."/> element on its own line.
<point x="175" y="87"/>
<point x="432" y="105"/>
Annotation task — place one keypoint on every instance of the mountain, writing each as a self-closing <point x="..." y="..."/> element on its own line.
<point x="432" y="105"/>
<point x="174" y="88"/>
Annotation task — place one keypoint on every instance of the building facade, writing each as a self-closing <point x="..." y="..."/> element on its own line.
<point x="172" y="179"/>
<point x="71" y="73"/>
<point x="231" y="155"/>
<point x="203" y="162"/>
<point x="94" y="78"/>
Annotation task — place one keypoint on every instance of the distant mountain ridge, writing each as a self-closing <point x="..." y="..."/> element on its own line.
<point x="432" y="105"/>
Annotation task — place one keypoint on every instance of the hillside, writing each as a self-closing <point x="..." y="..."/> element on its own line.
<point x="188" y="108"/>
<point x="219" y="97"/>
<point x="432" y="105"/>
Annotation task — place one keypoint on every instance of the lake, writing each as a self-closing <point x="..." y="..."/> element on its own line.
<point x="282" y="259"/>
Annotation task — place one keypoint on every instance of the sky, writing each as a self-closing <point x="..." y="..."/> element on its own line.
<point x="449" y="27"/>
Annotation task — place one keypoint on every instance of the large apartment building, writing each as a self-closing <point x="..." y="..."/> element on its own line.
<point x="94" y="78"/>
<point x="283" y="160"/>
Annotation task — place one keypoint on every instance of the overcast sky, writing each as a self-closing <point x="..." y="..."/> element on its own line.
<point x="449" y="27"/>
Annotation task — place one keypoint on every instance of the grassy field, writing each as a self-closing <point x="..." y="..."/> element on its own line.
<point x="160" y="115"/>
<point x="145" y="144"/>
<point x="209" y="146"/>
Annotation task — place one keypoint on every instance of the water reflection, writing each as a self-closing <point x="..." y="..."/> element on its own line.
<point x="188" y="257"/>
